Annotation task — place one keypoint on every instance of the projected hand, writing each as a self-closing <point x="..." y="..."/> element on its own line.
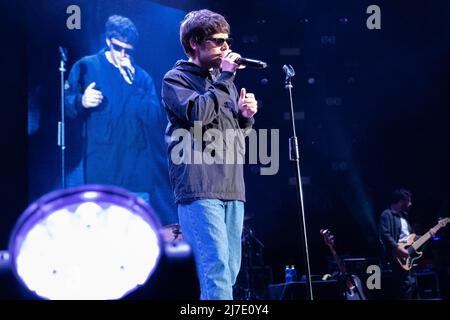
<point x="91" y="97"/>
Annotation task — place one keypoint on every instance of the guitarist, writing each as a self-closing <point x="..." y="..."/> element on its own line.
<point x="394" y="228"/>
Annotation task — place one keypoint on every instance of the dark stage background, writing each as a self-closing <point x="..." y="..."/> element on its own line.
<point x="373" y="108"/>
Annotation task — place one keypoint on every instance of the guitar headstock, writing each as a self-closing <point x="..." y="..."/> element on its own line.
<point x="328" y="237"/>
<point x="443" y="221"/>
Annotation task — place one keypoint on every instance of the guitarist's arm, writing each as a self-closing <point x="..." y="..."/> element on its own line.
<point x="386" y="237"/>
<point x="389" y="241"/>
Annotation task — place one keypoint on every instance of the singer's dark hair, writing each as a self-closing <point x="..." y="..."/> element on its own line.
<point x="400" y="194"/>
<point x="198" y="25"/>
<point x="122" y="29"/>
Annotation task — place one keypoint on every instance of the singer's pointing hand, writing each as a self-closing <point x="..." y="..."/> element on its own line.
<point x="247" y="104"/>
<point x="91" y="97"/>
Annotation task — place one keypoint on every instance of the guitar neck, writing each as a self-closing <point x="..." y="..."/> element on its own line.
<point x="339" y="262"/>
<point x="420" y="242"/>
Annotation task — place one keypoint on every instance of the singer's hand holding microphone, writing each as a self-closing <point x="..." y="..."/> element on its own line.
<point x="229" y="61"/>
<point x="247" y="103"/>
<point x="127" y="70"/>
<point x="239" y="62"/>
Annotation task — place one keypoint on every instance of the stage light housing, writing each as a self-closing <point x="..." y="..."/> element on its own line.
<point x="89" y="242"/>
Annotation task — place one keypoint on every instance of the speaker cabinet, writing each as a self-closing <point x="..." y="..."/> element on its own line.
<point x="297" y="290"/>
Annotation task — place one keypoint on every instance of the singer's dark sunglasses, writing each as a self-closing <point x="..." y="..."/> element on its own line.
<point x="128" y="51"/>
<point x="220" y="41"/>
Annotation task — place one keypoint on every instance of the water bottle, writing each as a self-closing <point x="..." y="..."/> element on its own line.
<point x="288" y="274"/>
<point x="294" y="273"/>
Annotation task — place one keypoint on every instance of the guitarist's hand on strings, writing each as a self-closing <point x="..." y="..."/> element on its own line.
<point x="401" y="253"/>
<point x="432" y="232"/>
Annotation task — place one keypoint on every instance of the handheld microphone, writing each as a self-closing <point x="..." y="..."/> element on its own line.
<point x="251" y="63"/>
<point x="129" y="73"/>
<point x="289" y="71"/>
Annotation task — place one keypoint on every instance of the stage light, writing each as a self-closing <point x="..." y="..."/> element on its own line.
<point x="89" y="242"/>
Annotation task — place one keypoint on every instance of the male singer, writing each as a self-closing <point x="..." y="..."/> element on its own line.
<point x="116" y="101"/>
<point x="210" y="196"/>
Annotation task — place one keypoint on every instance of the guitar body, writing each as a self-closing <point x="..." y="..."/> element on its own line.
<point x="412" y="245"/>
<point x="408" y="263"/>
<point x="355" y="292"/>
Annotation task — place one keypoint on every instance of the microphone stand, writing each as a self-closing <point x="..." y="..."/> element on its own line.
<point x="61" y="124"/>
<point x="294" y="155"/>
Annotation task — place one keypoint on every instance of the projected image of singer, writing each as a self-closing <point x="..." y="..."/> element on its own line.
<point x="210" y="196"/>
<point x="116" y="101"/>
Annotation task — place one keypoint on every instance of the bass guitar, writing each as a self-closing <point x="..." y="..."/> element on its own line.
<point x="353" y="286"/>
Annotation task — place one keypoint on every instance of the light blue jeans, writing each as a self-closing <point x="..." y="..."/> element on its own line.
<point x="213" y="228"/>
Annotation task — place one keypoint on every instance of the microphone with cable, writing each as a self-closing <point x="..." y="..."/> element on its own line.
<point x="127" y="70"/>
<point x="251" y="63"/>
<point x="129" y="73"/>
